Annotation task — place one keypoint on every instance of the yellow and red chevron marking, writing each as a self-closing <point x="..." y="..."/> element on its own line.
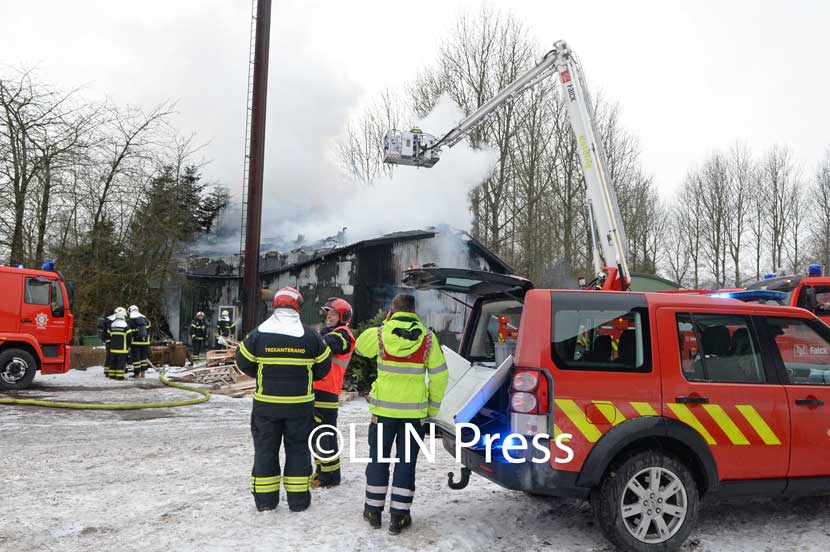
<point x="738" y="425"/>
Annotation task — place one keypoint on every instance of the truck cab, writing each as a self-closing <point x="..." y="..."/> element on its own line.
<point x="35" y="326"/>
<point x="807" y="292"/>
<point x="659" y="398"/>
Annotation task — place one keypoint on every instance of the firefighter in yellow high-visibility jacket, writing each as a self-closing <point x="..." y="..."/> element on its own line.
<point x="407" y="354"/>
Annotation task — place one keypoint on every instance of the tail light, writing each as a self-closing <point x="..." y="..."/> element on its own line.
<point x="529" y="392"/>
<point x="529" y="402"/>
<point x="523" y="402"/>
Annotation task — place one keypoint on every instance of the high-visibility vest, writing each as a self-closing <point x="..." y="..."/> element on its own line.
<point x="333" y="382"/>
<point x="405" y="392"/>
<point x="401" y="390"/>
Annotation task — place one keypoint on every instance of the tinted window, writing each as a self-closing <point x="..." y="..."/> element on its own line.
<point x="37" y="291"/>
<point x="804" y="350"/>
<point x="719" y="348"/>
<point x="600" y="332"/>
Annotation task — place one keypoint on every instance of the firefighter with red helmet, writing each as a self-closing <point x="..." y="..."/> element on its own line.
<point x="340" y="340"/>
<point x="286" y="357"/>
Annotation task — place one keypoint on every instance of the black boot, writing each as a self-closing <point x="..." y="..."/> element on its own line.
<point x="398" y="523"/>
<point x="265" y="504"/>
<point x="300" y="502"/>
<point x="373" y="517"/>
<point x="327" y="480"/>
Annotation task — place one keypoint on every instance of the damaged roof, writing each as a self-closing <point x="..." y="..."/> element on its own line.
<point x="274" y="262"/>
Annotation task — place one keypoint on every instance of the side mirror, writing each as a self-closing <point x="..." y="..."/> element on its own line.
<point x="811" y="303"/>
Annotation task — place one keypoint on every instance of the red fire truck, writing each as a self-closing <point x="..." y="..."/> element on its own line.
<point x="35" y="325"/>
<point x="811" y="292"/>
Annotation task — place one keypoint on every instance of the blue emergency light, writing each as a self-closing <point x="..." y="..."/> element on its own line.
<point x="752" y="295"/>
<point x="814" y="270"/>
<point x="19" y="266"/>
<point x="768" y="276"/>
<point x="48" y="265"/>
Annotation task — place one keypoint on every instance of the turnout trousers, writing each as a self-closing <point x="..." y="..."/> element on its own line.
<point x="270" y="434"/>
<point x="119" y="365"/>
<point x="140" y="357"/>
<point x="197" y="346"/>
<point x="325" y="413"/>
<point x="107" y="360"/>
<point x="382" y="434"/>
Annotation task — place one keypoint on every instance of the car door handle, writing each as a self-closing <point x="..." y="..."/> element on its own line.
<point x="692" y="400"/>
<point x="27" y="320"/>
<point x="809" y="402"/>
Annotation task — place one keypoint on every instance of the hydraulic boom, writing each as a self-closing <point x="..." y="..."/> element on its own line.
<point x="419" y="149"/>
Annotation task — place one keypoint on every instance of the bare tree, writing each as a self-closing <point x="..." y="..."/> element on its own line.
<point x="690" y="212"/>
<point x="820" y="192"/>
<point x="758" y="216"/>
<point x="486" y="52"/>
<point x="740" y="187"/>
<point x="714" y="190"/>
<point x="794" y="246"/>
<point x="360" y="153"/>
<point x="778" y="182"/>
<point x="677" y="252"/>
<point x="124" y="152"/>
<point x="38" y="125"/>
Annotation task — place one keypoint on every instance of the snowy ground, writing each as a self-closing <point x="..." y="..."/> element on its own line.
<point x="178" y="479"/>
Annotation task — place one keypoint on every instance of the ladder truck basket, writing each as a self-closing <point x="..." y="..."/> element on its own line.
<point x="413" y="148"/>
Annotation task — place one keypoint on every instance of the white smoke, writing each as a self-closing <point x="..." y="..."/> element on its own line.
<point x="411" y="198"/>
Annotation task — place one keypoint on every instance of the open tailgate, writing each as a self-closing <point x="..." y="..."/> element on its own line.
<point x="470" y="387"/>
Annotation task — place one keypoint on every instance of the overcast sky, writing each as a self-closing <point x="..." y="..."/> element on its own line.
<point x="690" y="78"/>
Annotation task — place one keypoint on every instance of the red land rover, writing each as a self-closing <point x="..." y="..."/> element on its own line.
<point x="669" y="398"/>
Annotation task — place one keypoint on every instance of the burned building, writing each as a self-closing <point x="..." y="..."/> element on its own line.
<point x="366" y="273"/>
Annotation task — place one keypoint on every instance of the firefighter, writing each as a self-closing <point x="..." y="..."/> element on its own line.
<point x="198" y="335"/>
<point x="225" y="328"/>
<point x="140" y="350"/>
<point x="103" y="326"/>
<point x="285" y="357"/>
<point x="340" y="340"/>
<point x="120" y="336"/>
<point x="406" y="352"/>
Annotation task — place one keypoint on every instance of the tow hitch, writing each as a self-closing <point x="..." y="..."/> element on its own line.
<point x="462" y="482"/>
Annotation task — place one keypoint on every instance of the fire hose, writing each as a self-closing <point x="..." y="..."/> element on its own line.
<point x="118" y="406"/>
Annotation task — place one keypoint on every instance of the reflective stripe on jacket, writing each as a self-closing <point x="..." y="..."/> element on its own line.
<point x="198" y="329"/>
<point x="120" y="336"/>
<point x="407" y="353"/>
<point x="302" y="393"/>
<point x="225" y="328"/>
<point x="333" y="382"/>
<point x="285" y="357"/>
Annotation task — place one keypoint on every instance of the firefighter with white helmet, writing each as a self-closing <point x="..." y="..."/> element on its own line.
<point x="120" y="336"/>
<point x="286" y="357"/>
<point x="198" y="335"/>
<point x="225" y="328"/>
<point x="140" y="350"/>
<point x="340" y="340"/>
<point x="103" y="325"/>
